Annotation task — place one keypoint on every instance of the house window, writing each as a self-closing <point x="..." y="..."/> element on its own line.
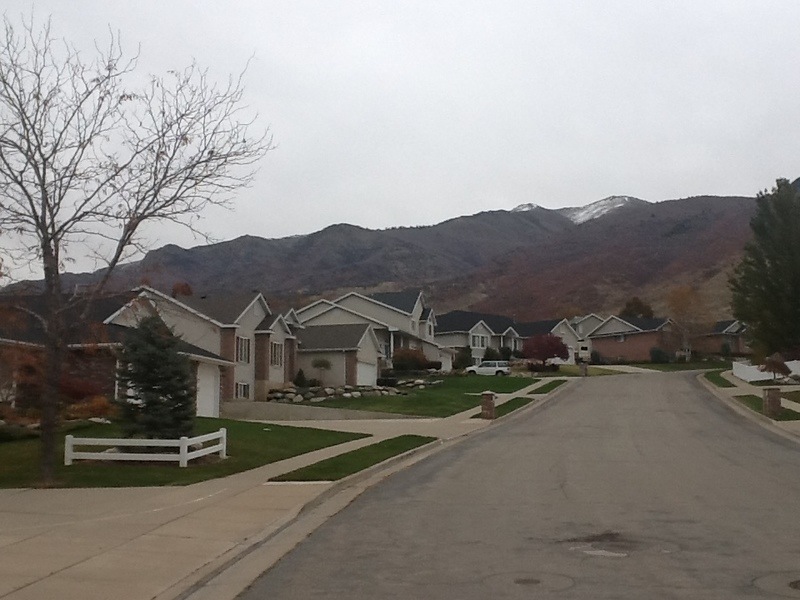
<point x="242" y="349"/>
<point x="479" y="341"/>
<point x="276" y="354"/>
<point x="243" y="390"/>
<point x="430" y="330"/>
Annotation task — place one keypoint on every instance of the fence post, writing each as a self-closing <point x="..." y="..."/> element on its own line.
<point x="68" y="446"/>
<point x="223" y="453"/>
<point x="184" y="461"/>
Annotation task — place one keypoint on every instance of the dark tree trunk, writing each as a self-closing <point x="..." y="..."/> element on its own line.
<point x="53" y="361"/>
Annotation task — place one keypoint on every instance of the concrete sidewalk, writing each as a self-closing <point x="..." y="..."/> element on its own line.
<point x="144" y="543"/>
<point x="741" y="388"/>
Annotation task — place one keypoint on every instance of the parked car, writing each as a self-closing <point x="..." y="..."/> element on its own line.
<point x="490" y="367"/>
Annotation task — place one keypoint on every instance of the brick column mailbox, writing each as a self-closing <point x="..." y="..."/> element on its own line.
<point x="772" y="402"/>
<point x="487" y="405"/>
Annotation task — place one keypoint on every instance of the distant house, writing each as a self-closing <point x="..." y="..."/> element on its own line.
<point x="725" y="337"/>
<point x="398" y="320"/>
<point x="561" y="328"/>
<point x="476" y="331"/>
<point x="352" y="350"/>
<point x="629" y="339"/>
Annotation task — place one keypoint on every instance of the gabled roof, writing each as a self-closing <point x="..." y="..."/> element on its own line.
<point x="533" y="328"/>
<point x="633" y="325"/>
<point x="331" y="306"/>
<point x="331" y="337"/>
<point x="270" y="322"/>
<point x="462" y="321"/>
<point x="730" y="326"/>
<point x="223" y="307"/>
<point x="404" y="301"/>
<point x="17" y="324"/>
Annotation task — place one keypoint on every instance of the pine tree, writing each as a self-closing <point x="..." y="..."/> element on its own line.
<point x="766" y="283"/>
<point x="160" y="401"/>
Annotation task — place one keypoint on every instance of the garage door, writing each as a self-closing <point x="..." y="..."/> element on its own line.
<point x="366" y="374"/>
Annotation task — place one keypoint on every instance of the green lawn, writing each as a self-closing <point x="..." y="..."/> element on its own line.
<point x="793" y="396"/>
<point x="455" y="394"/>
<point x="548" y="387"/>
<point x="507" y="407"/>
<point x="338" y="467"/>
<point x="718" y="380"/>
<point x="756" y="404"/>
<point x="722" y="365"/>
<point x="250" y="445"/>
<point x="575" y="371"/>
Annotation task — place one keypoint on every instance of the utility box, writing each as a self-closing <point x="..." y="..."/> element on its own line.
<point x="487" y="405"/>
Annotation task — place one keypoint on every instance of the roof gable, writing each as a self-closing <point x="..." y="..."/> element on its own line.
<point x="462" y="321"/>
<point x="331" y="337"/>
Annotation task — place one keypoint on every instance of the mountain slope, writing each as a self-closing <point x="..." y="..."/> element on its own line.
<point x="529" y="263"/>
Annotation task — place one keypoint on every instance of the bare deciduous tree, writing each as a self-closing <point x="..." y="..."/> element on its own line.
<point x="86" y="161"/>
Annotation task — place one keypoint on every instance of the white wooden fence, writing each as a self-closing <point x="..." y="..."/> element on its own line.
<point x="183" y="456"/>
<point x="747" y="372"/>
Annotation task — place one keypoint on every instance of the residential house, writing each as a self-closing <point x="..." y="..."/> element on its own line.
<point x="631" y="340"/>
<point x="241" y="328"/>
<point x="577" y="347"/>
<point x="477" y="331"/>
<point x="398" y="320"/>
<point x="91" y="360"/>
<point x="726" y="337"/>
<point x="351" y="350"/>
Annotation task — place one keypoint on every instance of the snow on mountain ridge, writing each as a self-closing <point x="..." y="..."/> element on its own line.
<point x="581" y="214"/>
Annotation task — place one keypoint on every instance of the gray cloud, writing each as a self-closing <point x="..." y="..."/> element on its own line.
<point x="389" y="113"/>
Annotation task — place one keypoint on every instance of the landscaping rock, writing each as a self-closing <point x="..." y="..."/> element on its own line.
<point x="297" y="398"/>
<point x="348" y="388"/>
<point x="329" y="391"/>
<point x="339" y="391"/>
<point x="347" y="395"/>
<point x="318" y="398"/>
<point x="419" y="382"/>
<point x="99" y="420"/>
<point x="356" y="394"/>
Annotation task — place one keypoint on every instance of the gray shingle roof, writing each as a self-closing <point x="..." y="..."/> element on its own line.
<point x="223" y="307"/>
<point x="646" y="324"/>
<point x="331" y="337"/>
<point x="464" y="320"/>
<point x="404" y="301"/>
<point x="533" y="328"/>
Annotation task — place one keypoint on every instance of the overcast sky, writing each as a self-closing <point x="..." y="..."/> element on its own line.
<point x="409" y="113"/>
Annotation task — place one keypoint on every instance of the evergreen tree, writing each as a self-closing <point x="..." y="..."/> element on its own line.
<point x="636" y="308"/>
<point x="766" y="283"/>
<point x="160" y="401"/>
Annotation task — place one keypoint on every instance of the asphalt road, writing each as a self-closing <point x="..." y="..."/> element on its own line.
<point x="634" y="486"/>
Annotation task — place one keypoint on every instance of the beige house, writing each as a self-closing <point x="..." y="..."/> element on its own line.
<point x="477" y="331"/>
<point x="578" y="347"/>
<point x="351" y="350"/>
<point x="398" y="320"/>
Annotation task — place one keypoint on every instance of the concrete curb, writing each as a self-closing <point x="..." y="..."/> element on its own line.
<point x="338" y="497"/>
<point x="753" y="416"/>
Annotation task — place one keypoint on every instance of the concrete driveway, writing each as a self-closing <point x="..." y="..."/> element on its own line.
<point x="637" y="486"/>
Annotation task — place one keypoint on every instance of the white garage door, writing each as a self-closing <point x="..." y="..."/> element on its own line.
<point x="207" y="390"/>
<point x="366" y="374"/>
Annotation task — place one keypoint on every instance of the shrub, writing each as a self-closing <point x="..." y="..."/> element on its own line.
<point x="387" y="381"/>
<point x="435" y="365"/>
<point x="542" y="368"/>
<point x="658" y="356"/>
<point x="409" y="359"/>
<point x="595" y="358"/>
<point x="506" y="353"/>
<point x="300" y="379"/>
<point x="96" y="406"/>
<point x="492" y="354"/>
<point x="463" y="358"/>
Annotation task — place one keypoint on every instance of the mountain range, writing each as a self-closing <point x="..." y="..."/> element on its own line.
<point x="529" y="262"/>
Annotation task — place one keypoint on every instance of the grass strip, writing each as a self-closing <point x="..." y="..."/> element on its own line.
<point x="548" y="387"/>
<point x="721" y="365"/>
<point x="250" y="445"/>
<point x="337" y="467"/>
<point x="718" y="380"/>
<point x="756" y="404"/>
<point x="507" y="407"/>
